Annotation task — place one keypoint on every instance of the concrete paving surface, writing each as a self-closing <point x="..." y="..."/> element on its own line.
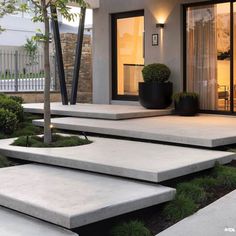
<point x="204" y="130"/>
<point x="98" y="111"/>
<point x="137" y="160"/>
<point x="72" y="198"/>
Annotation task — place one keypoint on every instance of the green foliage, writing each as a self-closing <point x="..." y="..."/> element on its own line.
<point x="57" y="141"/>
<point x="192" y="191"/>
<point x="179" y="208"/>
<point x="178" y="96"/>
<point x="4" y="162"/>
<point x="156" y="73"/>
<point x="17" y="99"/>
<point x="31" y="48"/>
<point x="225" y="176"/>
<point x="8" y="121"/>
<point x="7" y="7"/>
<point x="132" y="228"/>
<point x="12" y="106"/>
<point x="205" y="182"/>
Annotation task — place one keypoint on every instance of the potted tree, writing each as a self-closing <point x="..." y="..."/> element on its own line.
<point x="186" y="104"/>
<point x="156" y="91"/>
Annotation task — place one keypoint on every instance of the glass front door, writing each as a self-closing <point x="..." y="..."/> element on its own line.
<point x="208" y="55"/>
<point x="128" y="54"/>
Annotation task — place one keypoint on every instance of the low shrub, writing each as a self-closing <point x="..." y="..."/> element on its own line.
<point x="132" y="228"/>
<point x="8" y="121"/>
<point x="179" y="208"/>
<point x="192" y="191"/>
<point x="17" y="99"/>
<point x="12" y="106"/>
<point x="57" y="141"/>
<point x="205" y="182"/>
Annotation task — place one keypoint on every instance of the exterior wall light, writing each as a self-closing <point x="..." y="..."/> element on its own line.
<point x="160" y="25"/>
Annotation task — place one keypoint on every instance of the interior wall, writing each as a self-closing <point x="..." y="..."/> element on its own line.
<point x="169" y="51"/>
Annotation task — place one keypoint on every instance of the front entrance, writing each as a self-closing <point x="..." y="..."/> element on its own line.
<point x="210" y="62"/>
<point x="128" y="54"/>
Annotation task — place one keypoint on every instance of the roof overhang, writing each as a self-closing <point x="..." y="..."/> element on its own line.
<point x="93" y="4"/>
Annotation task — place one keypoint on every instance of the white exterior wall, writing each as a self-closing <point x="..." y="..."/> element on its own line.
<point x="17" y="30"/>
<point x="169" y="51"/>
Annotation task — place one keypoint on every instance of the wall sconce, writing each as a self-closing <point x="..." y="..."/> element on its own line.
<point x="160" y="25"/>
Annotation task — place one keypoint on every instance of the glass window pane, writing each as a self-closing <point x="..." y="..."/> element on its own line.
<point x="130" y="59"/>
<point x="208" y="55"/>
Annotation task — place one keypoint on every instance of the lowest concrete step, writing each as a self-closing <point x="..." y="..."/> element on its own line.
<point x="97" y="111"/>
<point x="204" y="130"/>
<point x="217" y="219"/>
<point x="72" y="198"/>
<point x="137" y="160"/>
<point x="16" y="224"/>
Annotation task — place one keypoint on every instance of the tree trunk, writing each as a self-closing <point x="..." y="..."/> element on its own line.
<point x="47" y="110"/>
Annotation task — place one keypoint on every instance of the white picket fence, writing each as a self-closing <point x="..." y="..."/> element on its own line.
<point x="18" y="73"/>
<point x="24" y="85"/>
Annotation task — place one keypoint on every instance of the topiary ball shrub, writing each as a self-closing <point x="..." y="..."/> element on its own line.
<point x="12" y="106"/>
<point x="156" y="73"/>
<point x="8" y="121"/>
<point x="132" y="228"/>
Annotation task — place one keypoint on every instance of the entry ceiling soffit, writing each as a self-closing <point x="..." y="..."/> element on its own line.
<point x="93" y="4"/>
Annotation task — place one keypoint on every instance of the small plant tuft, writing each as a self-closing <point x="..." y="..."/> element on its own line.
<point x="132" y="228"/>
<point x="192" y="191"/>
<point x="178" y="96"/>
<point x="180" y="208"/>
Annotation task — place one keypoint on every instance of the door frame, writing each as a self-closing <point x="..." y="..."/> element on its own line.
<point x="114" y="18"/>
<point x="208" y="2"/>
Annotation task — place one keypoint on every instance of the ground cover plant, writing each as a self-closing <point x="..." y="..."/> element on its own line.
<point x="193" y="193"/>
<point x="57" y="141"/>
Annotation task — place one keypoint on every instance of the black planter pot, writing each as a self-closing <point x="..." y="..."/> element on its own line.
<point x="187" y="106"/>
<point x="155" y="95"/>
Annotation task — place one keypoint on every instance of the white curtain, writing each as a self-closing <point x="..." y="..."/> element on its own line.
<point x="202" y="54"/>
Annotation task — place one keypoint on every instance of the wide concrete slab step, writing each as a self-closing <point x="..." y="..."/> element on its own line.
<point x="137" y="160"/>
<point x="16" y="224"/>
<point x="204" y="130"/>
<point x="71" y="198"/>
<point x="97" y="111"/>
<point x="217" y="219"/>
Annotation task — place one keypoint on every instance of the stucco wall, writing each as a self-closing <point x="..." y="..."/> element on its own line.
<point x="169" y="51"/>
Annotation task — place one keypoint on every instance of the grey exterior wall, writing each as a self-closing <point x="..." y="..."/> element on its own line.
<point x="170" y="50"/>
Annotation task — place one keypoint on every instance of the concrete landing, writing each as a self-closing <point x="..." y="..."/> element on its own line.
<point x="17" y="224"/>
<point x="137" y="160"/>
<point x="97" y="111"/>
<point x="71" y="198"/>
<point x="217" y="219"/>
<point x="204" y="130"/>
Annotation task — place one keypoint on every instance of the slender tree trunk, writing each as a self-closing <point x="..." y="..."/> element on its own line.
<point x="47" y="110"/>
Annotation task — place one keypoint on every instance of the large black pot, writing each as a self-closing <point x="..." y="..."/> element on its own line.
<point x="154" y="95"/>
<point x="187" y="106"/>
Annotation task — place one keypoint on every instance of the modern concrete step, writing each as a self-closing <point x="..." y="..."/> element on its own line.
<point x="217" y="219"/>
<point x="97" y="111"/>
<point x="204" y="130"/>
<point x="16" y="224"/>
<point x="71" y="198"/>
<point x="137" y="160"/>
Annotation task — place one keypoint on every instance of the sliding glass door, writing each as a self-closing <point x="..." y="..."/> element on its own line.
<point x="128" y="54"/>
<point x="208" y="55"/>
